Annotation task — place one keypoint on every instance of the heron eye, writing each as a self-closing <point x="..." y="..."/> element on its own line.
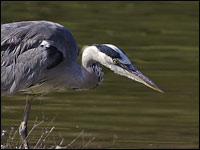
<point x="115" y="61"/>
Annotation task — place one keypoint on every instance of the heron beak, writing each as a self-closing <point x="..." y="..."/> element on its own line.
<point x="134" y="74"/>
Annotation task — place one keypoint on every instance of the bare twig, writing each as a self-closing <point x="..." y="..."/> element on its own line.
<point x="92" y="139"/>
<point x="65" y="147"/>
<point x="75" y="139"/>
<point x="44" y="138"/>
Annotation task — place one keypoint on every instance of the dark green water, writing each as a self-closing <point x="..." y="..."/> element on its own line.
<point x="160" y="38"/>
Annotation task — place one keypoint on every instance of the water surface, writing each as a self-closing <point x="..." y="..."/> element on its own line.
<point x="160" y="38"/>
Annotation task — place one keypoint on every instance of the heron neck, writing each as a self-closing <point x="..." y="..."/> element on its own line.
<point x="75" y="76"/>
<point x="89" y="78"/>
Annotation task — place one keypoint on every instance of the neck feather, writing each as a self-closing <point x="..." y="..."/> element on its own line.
<point x="74" y="76"/>
<point x="91" y="74"/>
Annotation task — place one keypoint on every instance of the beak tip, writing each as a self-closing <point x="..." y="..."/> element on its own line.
<point x="155" y="87"/>
<point x="161" y="91"/>
<point x="139" y="77"/>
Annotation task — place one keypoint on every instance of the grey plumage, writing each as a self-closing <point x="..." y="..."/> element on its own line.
<point x="24" y="61"/>
<point x="44" y="54"/>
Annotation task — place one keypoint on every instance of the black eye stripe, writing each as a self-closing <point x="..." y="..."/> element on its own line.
<point x="121" y="65"/>
<point x="108" y="51"/>
<point x="127" y="67"/>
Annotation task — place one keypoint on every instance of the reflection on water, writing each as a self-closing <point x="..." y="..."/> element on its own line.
<point x="160" y="38"/>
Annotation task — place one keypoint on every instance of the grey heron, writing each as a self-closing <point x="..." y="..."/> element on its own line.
<point x="41" y="56"/>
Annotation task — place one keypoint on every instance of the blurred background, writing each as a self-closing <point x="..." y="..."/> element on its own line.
<point x="162" y="41"/>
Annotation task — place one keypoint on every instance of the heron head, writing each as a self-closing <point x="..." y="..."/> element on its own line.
<point x="115" y="59"/>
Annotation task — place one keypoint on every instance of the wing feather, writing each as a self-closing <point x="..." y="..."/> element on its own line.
<point x="24" y="61"/>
